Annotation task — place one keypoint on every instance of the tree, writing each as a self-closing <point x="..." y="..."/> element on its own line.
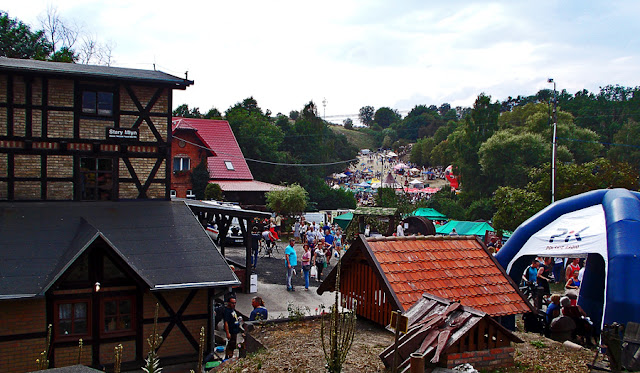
<point x="366" y="115"/>
<point x="506" y="158"/>
<point x="213" y="113"/>
<point x="213" y="191"/>
<point x="200" y="178"/>
<point x="348" y="123"/>
<point x="514" y="206"/>
<point x="18" y="41"/>
<point x="385" y="117"/>
<point x="293" y="114"/>
<point x="291" y="200"/>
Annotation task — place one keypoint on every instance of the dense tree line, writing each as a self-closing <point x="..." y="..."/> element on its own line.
<point x="280" y="149"/>
<point x="502" y="150"/>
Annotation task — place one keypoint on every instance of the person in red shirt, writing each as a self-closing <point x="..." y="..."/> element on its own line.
<point x="573" y="267"/>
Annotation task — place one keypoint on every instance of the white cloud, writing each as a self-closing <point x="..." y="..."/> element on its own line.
<point x="356" y="52"/>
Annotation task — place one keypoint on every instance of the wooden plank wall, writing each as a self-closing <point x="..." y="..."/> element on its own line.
<point x="361" y="289"/>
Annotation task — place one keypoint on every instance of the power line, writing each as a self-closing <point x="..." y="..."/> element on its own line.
<point x="267" y="162"/>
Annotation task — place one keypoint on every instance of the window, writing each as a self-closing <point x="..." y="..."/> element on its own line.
<point x="97" y="103"/>
<point x="96" y="178"/>
<point x="190" y="193"/>
<point x="118" y="315"/>
<point x="229" y="165"/>
<point x="173" y="193"/>
<point x="71" y="318"/>
<point x="181" y="164"/>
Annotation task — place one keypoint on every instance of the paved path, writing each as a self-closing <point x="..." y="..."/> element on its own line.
<point x="273" y="289"/>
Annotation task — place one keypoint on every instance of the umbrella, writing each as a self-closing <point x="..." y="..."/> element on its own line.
<point x="341" y="175"/>
<point x="391" y="154"/>
<point x="399" y="166"/>
<point x="363" y="185"/>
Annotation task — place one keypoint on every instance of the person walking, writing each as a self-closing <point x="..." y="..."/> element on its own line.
<point x="255" y="242"/>
<point x="296" y="231"/>
<point x="320" y="260"/>
<point x="306" y="265"/>
<point x="291" y="261"/>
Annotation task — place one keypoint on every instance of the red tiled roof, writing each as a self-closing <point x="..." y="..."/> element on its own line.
<point x="455" y="268"/>
<point x="219" y="137"/>
<point x="246" y="186"/>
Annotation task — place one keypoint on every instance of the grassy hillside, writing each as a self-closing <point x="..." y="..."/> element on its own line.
<point x="359" y="139"/>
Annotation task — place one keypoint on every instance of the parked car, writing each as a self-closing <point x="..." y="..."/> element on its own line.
<point x="234" y="234"/>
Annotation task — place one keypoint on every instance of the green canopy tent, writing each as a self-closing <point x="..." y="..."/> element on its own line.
<point x="429" y="213"/>
<point x="465" y="228"/>
<point x="343" y="220"/>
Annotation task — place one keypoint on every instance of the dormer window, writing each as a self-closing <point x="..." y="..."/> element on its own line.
<point x="229" y="165"/>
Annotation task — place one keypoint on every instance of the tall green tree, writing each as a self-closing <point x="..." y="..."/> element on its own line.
<point x="18" y="41"/>
<point x="386" y="116"/>
<point x="366" y="114"/>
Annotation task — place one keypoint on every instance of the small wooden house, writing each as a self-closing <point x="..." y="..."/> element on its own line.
<point x="96" y="270"/>
<point x="447" y="334"/>
<point x="385" y="274"/>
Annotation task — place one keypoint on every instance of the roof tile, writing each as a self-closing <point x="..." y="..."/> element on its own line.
<point x="459" y="269"/>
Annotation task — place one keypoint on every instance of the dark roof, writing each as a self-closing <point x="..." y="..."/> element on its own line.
<point x="432" y="317"/>
<point x="222" y="208"/>
<point x="161" y="241"/>
<point x="93" y="71"/>
<point x="458" y="268"/>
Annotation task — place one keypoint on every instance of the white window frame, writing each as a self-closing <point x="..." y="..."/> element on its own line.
<point x="229" y="165"/>
<point x="180" y="162"/>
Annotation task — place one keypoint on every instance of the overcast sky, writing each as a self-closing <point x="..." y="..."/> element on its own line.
<point x="355" y="53"/>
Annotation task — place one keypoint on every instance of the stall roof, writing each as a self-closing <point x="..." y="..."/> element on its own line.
<point x="429" y="213"/>
<point x="343" y="220"/>
<point x="465" y="228"/>
<point x="161" y="241"/>
<point x="381" y="211"/>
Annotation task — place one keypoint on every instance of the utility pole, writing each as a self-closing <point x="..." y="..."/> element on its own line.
<point x="553" y="151"/>
<point x="324" y="112"/>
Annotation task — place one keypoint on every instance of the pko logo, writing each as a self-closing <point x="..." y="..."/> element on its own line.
<point x="568" y="235"/>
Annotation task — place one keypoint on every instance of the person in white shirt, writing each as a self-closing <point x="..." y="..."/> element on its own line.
<point x="400" y="230"/>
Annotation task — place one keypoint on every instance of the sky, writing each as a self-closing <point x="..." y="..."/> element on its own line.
<point x="354" y="53"/>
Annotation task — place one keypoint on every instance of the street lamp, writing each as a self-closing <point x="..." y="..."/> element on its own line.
<point x="553" y="151"/>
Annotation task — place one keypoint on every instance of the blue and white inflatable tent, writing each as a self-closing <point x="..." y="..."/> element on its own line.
<point x="602" y="225"/>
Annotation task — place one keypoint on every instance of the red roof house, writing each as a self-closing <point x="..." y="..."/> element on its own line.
<point x="384" y="274"/>
<point x="227" y="166"/>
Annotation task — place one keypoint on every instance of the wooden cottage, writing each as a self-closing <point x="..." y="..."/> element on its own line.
<point x="447" y="334"/>
<point x="95" y="270"/>
<point x="385" y="274"/>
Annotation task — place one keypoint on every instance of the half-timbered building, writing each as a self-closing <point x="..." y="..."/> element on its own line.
<point x="82" y="132"/>
<point x="89" y="239"/>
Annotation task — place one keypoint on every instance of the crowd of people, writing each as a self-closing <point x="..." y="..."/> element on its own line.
<point x="376" y="166"/>
<point x="565" y="319"/>
<point x="320" y="244"/>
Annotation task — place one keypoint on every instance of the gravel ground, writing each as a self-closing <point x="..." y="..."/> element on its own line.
<point x="296" y="347"/>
